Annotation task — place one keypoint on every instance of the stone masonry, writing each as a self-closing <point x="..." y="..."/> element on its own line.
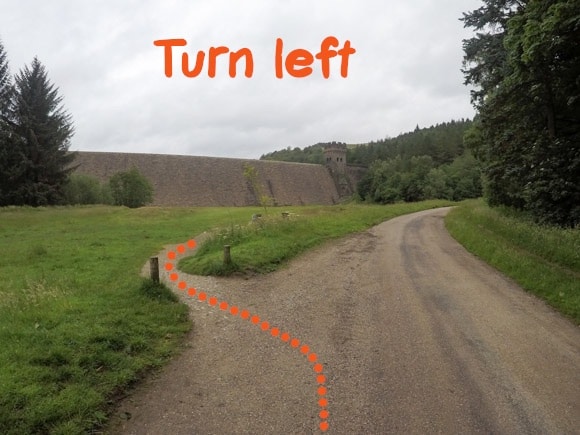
<point x="212" y="181"/>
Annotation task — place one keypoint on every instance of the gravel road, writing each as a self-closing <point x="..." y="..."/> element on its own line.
<point x="415" y="336"/>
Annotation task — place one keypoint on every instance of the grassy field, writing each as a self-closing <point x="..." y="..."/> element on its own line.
<point x="543" y="260"/>
<point x="78" y="325"/>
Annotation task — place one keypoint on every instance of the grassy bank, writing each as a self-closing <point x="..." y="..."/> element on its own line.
<point x="77" y="325"/>
<point x="543" y="260"/>
<point x="264" y="245"/>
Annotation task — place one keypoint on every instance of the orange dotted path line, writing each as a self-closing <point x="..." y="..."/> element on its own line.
<point x="244" y="314"/>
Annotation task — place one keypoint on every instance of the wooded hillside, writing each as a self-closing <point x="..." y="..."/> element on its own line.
<point x="423" y="164"/>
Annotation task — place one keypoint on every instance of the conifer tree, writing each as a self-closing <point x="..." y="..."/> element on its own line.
<point x="525" y="63"/>
<point x="8" y="155"/>
<point x="38" y="139"/>
<point x="5" y="82"/>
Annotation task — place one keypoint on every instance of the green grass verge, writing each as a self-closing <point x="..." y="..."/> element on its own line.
<point x="78" y="325"/>
<point x="543" y="260"/>
<point x="263" y="246"/>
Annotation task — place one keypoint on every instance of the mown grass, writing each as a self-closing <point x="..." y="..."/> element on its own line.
<point x="77" y="324"/>
<point x="543" y="260"/>
<point x="262" y="246"/>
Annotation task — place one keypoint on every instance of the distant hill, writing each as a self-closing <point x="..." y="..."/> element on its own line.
<point x="442" y="142"/>
<point x="310" y="154"/>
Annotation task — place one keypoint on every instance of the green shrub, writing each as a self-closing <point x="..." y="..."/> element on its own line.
<point x="157" y="291"/>
<point x="83" y="189"/>
<point x="131" y="189"/>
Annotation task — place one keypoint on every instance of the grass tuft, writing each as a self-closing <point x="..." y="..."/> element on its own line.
<point x="157" y="291"/>
<point x="37" y="251"/>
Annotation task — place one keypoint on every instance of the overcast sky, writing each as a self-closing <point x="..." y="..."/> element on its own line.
<point x="101" y="56"/>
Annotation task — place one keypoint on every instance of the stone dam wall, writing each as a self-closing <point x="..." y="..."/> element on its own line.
<point x="212" y="181"/>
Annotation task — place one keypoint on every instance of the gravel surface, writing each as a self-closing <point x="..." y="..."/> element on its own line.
<point x="414" y="335"/>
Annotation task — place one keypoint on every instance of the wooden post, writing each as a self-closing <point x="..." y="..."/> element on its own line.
<point x="154" y="267"/>
<point x="227" y="255"/>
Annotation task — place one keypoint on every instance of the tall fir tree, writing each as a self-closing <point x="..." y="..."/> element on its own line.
<point x="525" y="64"/>
<point x="5" y="83"/>
<point x="8" y="153"/>
<point x="544" y="59"/>
<point x="485" y="66"/>
<point x="485" y="58"/>
<point x="39" y="132"/>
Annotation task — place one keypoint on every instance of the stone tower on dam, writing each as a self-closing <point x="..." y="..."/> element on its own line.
<point x="212" y="181"/>
<point x="335" y="157"/>
<point x="345" y="177"/>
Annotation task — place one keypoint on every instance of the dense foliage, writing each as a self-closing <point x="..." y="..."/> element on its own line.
<point x="419" y="178"/>
<point x="131" y="189"/>
<point x="82" y="189"/>
<point x="525" y="64"/>
<point x="426" y="163"/>
<point x="442" y="142"/>
<point x="35" y="134"/>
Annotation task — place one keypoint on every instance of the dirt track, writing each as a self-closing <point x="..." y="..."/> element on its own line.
<point x="415" y="336"/>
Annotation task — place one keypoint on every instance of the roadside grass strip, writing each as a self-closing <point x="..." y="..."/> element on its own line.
<point x="543" y="260"/>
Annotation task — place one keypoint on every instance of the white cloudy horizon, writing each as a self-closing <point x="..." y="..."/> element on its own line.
<point x="101" y="56"/>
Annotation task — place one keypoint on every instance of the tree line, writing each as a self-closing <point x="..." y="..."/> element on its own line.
<point x="310" y="154"/>
<point x="127" y="188"/>
<point x="426" y="163"/>
<point x="36" y="166"/>
<point x="524" y="63"/>
<point x="442" y="142"/>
